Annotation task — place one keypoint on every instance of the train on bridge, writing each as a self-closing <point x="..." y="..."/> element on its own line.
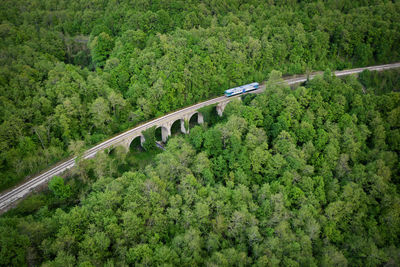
<point x="241" y="89"/>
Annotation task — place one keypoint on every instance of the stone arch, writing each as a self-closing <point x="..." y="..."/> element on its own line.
<point x="136" y="142"/>
<point x="177" y="126"/>
<point x="112" y="149"/>
<point x="196" y="118"/>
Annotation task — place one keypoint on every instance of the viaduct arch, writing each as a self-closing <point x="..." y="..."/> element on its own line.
<point x="166" y="122"/>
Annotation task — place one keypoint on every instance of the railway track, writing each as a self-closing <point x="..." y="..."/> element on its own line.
<point x="10" y="197"/>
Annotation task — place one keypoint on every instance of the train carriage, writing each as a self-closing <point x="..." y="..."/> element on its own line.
<point x="241" y="89"/>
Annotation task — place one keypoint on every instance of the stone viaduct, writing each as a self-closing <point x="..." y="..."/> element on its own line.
<point x="166" y="122"/>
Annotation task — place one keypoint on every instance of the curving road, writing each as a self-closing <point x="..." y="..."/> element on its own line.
<point x="9" y="198"/>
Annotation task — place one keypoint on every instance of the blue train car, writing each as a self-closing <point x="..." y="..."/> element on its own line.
<point x="241" y="89"/>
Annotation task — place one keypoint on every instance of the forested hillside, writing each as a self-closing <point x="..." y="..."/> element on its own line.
<point x="84" y="70"/>
<point x="305" y="177"/>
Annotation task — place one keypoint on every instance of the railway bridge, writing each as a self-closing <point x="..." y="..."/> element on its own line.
<point x="165" y="123"/>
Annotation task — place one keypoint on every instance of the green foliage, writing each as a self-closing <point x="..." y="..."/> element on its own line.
<point x="30" y="204"/>
<point x="59" y="189"/>
<point x="13" y="247"/>
<point x="306" y="177"/>
<point x="101" y="47"/>
<point x="320" y="191"/>
<point x="149" y="139"/>
<point x="100" y="113"/>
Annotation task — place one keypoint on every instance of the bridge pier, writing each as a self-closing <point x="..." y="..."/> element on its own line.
<point x="165" y="132"/>
<point x="221" y="107"/>
<point x="200" y="118"/>
<point x="183" y="128"/>
<point x="142" y="139"/>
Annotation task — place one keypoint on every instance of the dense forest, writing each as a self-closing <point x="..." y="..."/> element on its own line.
<point x="84" y="70"/>
<point x="304" y="177"/>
